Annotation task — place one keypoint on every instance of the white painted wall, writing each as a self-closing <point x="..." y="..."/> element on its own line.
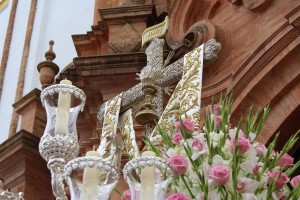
<point x="55" y="20"/>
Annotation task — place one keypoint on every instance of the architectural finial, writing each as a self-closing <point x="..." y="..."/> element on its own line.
<point x="48" y="69"/>
<point x="50" y="55"/>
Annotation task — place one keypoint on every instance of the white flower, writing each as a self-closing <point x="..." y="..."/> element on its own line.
<point x="197" y="154"/>
<point x="262" y="195"/>
<point x="214" y="138"/>
<point x="249" y="196"/>
<point x="232" y="133"/>
<point x="249" y="164"/>
<point x="218" y="160"/>
<point x="247" y="185"/>
<point x="252" y="136"/>
<point x="171" y="152"/>
<point x="156" y="139"/>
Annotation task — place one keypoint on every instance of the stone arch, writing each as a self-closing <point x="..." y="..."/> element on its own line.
<point x="280" y="87"/>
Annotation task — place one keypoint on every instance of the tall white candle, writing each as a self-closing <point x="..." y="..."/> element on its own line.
<point x="90" y="180"/>
<point x="148" y="180"/>
<point x="63" y="107"/>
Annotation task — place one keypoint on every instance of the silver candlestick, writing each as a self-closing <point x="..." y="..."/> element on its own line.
<point x="59" y="148"/>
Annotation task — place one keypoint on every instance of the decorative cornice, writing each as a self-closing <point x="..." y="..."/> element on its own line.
<point x="124" y="14"/>
<point x="21" y="138"/>
<point x="97" y="64"/>
<point x="33" y="95"/>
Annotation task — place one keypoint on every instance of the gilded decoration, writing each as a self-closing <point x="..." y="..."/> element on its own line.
<point x="112" y="144"/>
<point x="110" y="147"/>
<point x="128" y="134"/>
<point x="186" y="98"/>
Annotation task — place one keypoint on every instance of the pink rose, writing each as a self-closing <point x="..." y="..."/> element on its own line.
<point x="179" y="164"/>
<point x="177" y="196"/>
<point x="285" y="161"/>
<point x="210" y="111"/>
<point x="197" y="145"/>
<point x="219" y="174"/>
<point x="295" y="181"/>
<point x="260" y="149"/>
<point x="283" y="179"/>
<point x="187" y="124"/>
<point x="177" y="138"/>
<point x="126" y="195"/>
<point x="243" y="145"/>
<point x="217" y="120"/>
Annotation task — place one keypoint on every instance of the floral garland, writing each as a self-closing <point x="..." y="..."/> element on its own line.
<point x="220" y="162"/>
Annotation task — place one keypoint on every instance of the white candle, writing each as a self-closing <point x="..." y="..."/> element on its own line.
<point x="90" y="180"/>
<point x="63" y="107"/>
<point x="148" y="180"/>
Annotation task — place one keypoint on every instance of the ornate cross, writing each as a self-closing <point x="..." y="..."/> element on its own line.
<point x="155" y="77"/>
<point x="168" y="75"/>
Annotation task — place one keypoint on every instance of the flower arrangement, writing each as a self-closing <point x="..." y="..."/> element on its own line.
<point x="221" y="162"/>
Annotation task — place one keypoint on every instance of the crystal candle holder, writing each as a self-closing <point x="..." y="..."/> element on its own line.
<point x="107" y="175"/>
<point x="59" y="147"/>
<point x="6" y="195"/>
<point x="163" y="176"/>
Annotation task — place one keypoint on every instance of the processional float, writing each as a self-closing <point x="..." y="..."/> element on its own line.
<point x="101" y="168"/>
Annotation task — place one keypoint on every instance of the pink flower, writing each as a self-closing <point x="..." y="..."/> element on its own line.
<point x="187" y="124"/>
<point x="177" y="138"/>
<point x="285" y="161"/>
<point x="295" y="181"/>
<point x="197" y="145"/>
<point x="126" y="195"/>
<point x="243" y="145"/>
<point x="260" y="149"/>
<point x="217" y="120"/>
<point x="219" y="174"/>
<point x="283" y="179"/>
<point x="209" y="110"/>
<point x="177" y="196"/>
<point x="179" y="164"/>
<point x="256" y="169"/>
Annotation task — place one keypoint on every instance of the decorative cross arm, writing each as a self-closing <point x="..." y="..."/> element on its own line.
<point x="172" y="73"/>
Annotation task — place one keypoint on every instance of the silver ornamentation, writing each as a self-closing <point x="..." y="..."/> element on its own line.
<point x="64" y="88"/>
<point x="132" y="175"/>
<point x="59" y="148"/>
<point x="6" y="195"/>
<point x="108" y="177"/>
<point x="142" y="162"/>
<point x="89" y="161"/>
<point x="171" y="74"/>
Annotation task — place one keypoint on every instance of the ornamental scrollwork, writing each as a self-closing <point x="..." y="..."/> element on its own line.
<point x="171" y="74"/>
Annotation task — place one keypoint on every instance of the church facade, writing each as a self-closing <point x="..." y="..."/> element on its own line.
<point x="258" y="63"/>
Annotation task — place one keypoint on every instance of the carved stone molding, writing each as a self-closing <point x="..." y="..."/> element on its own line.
<point x="253" y="4"/>
<point x="197" y="34"/>
<point x="127" y="40"/>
